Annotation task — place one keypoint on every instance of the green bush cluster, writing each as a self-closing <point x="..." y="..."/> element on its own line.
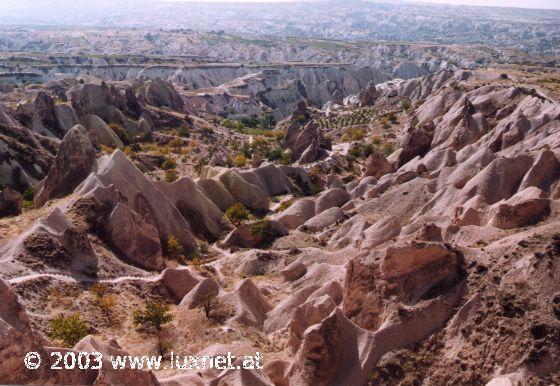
<point x="251" y="125"/>
<point x="237" y="214"/>
<point x="263" y="231"/>
<point x="68" y="329"/>
<point x="154" y="315"/>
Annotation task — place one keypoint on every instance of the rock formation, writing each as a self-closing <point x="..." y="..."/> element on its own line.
<point x="436" y="264"/>
<point x="74" y="161"/>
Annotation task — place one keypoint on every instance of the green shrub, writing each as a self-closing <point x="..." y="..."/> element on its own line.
<point x="176" y="143"/>
<point x="29" y="194"/>
<point x="199" y="165"/>
<point x="240" y="160"/>
<point x="208" y="304"/>
<point x="285" y="205"/>
<point x="267" y="121"/>
<point x="260" y="144"/>
<point x="105" y="301"/>
<point x="237" y="214"/>
<point x="286" y="158"/>
<point x="228" y="123"/>
<point x="387" y="148"/>
<point x="246" y="150"/>
<point x="123" y="135"/>
<point x="154" y="315"/>
<point x="249" y="122"/>
<point x="355" y="152"/>
<point x="196" y="261"/>
<point x="367" y="150"/>
<point x="406" y="105"/>
<point x="184" y="132"/>
<point x="262" y="230"/>
<point x="169" y="163"/>
<point x="68" y="329"/>
<point x="135" y="147"/>
<point x="356" y="133"/>
<point x="203" y="248"/>
<point x="174" y="249"/>
<point x="171" y="175"/>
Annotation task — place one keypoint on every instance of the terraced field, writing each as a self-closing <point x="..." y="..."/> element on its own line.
<point x="358" y="117"/>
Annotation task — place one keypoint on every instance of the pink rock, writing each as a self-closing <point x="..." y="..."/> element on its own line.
<point x="206" y="287"/>
<point x="249" y="305"/>
<point x="142" y="196"/>
<point x="11" y="202"/>
<point x="430" y="232"/>
<point x="322" y="220"/>
<point x="298" y="213"/>
<point x="499" y="180"/>
<point x="74" y="161"/>
<point x="109" y="376"/>
<point x="136" y="239"/>
<point x="335" y="197"/>
<point x="179" y="281"/>
<point x="381" y="232"/>
<point x="405" y="271"/>
<point x="255" y="234"/>
<point x="350" y="232"/>
<point x="293" y="271"/>
<point x="543" y="173"/>
<point x="16" y="339"/>
<point x="200" y="212"/>
<point x="377" y="165"/>
<point x="525" y="208"/>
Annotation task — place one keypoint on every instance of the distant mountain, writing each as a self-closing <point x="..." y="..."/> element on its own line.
<point x="528" y="29"/>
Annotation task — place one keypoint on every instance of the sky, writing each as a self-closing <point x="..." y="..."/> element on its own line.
<point x="544" y="4"/>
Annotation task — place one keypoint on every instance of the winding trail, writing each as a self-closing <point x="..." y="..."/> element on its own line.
<point x="70" y="279"/>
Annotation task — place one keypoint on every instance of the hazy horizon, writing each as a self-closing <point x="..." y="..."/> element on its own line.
<point x="530" y="4"/>
<point x="533" y="4"/>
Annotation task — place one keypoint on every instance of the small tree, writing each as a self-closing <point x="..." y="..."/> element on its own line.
<point x="406" y="105"/>
<point x="28" y="197"/>
<point x="105" y="301"/>
<point x="151" y="319"/>
<point x="29" y="194"/>
<point x="184" y="132"/>
<point x="240" y="160"/>
<point x="286" y="158"/>
<point x="285" y="205"/>
<point x="267" y="121"/>
<point x="196" y="261"/>
<point x="392" y="117"/>
<point x="208" y="304"/>
<point x="168" y="164"/>
<point x="387" y="148"/>
<point x="176" y="143"/>
<point x="171" y="175"/>
<point x="174" y="248"/>
<point x="262" y="230"/>
<point x="154" y="315"/>
<point x="68" y="329"/>
<point x="204" y="248"/>
<point x="237" y="214"/>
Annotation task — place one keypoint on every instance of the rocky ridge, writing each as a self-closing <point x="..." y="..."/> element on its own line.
<point x="431" y="256"/>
